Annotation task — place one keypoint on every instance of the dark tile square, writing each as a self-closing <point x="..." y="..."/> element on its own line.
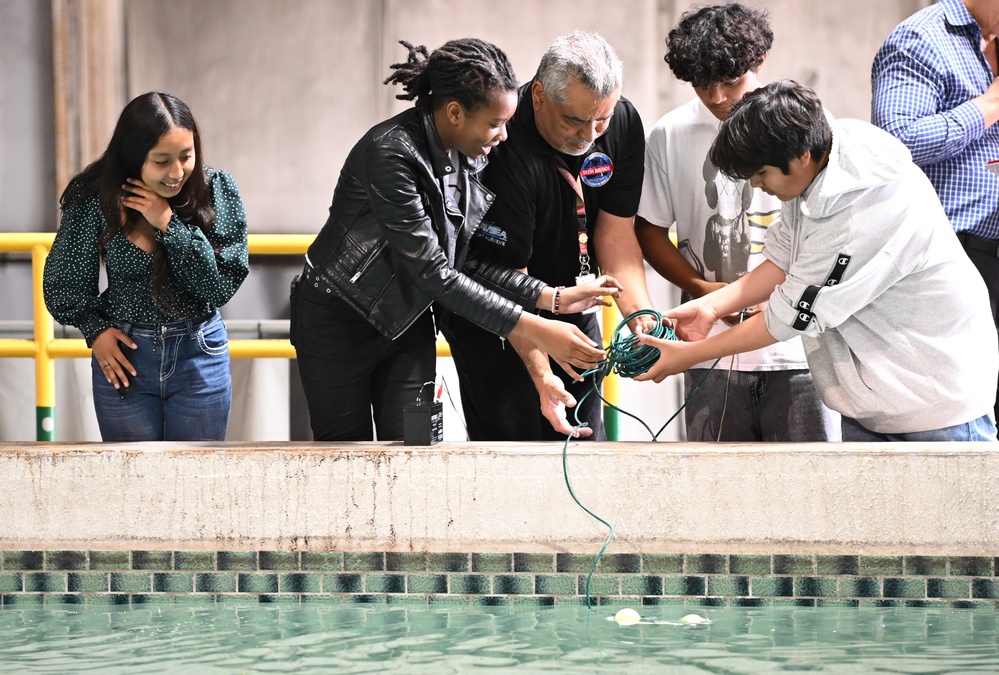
<point x="10" y="600"/>
<point x="87" y="582"/>
<point x="662" y="563"/>
<point x="426" y="583"/>
<point x="837" y="564"/>
<point x="641" y="585"/>
<point x="767" y="587"/>
<point x="859" y="587"/>
<point x="215" y="583"/>
<point x="300" y="583"/>
<point x="131" y="582"/>
<point x="385" y="583"/>
<point x="363" y="562"/>
<point x="513" y="584"/>
<point x="407" y="561"/>
<point x="493" y="562"/>
<point x="448" y="562"/>
<point x="684" y="585"/>
<point x="904" y="588"/>
<point x="322" y="561"/>
<point x="109" y="560"/>
<point x="621" y="563"/>
<point x="948" y="588"/>
<point x="342" y="583"/>
<point x="923" y="565"/>
<point x="470" y="584"/>
<point x="815" y="587"/>
<point x="278" y="560"/>
<point x="194" y="561"/>
<point x="794" y="564"/>
<point x="706" y="564"/>
<point x="726" y="586"/>
<point x="535" y="562"/>
<point x="749" y="564"/>
<point x="11" y="582"/>
<point x="23" y="561"/>
<point x="169" y="582"/>
<point x="970" y="567"/>
<point x="57" y="561"/>
<point x="882" y="565"/>
<point x="45" y="582"/>
<point x="152" y="560"/>
<point x="985" y="588"/>
<point x="257" y="583"/>
<point x="555" y="584"/>
<point x="600" y="584"/>
<point x="237" y="561"/>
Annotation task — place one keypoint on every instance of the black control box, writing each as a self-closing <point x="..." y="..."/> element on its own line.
<point x="423" y="423"/>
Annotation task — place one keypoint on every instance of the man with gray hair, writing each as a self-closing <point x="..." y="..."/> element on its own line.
<point x="567" y="182"/>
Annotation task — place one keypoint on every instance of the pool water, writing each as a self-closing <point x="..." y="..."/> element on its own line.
<point x="261" y="638"/>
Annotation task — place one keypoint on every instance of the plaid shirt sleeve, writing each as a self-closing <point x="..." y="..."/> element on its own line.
<point x="923" y="81"/>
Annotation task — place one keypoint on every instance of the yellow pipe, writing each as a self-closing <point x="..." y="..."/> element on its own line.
<point x="18" y="348"/>
<point x="258" y="244"/>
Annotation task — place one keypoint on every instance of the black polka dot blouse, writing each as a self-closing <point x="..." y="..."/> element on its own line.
<point x="205" y="272"/>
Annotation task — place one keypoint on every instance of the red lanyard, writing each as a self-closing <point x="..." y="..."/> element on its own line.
<point x="581" y="236"/>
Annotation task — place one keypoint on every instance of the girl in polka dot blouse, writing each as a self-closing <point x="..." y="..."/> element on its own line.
<point x="171" y="234"/>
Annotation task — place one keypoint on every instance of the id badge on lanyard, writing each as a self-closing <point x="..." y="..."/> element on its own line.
<point x="585" y="273"/>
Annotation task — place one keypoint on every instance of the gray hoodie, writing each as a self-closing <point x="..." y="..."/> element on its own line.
<point x="896" y="325"/>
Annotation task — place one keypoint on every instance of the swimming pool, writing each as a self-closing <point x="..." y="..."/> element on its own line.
<point x="256" y="638"/>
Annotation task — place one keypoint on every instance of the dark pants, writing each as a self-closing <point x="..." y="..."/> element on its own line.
<point x="984" y="253"/>
<point x="498" y="397"/>
<point x="350" y="371"/>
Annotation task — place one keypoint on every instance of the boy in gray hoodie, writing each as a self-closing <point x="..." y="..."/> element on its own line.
<point x="863" y="266"/>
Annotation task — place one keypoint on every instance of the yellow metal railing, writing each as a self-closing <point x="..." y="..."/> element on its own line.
<point x="44" y="347"/>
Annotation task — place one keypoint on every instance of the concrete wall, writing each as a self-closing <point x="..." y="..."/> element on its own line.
<point x="872" y="499"/>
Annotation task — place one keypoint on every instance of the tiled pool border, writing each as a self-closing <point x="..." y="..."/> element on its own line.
<point x="139" y="577"/>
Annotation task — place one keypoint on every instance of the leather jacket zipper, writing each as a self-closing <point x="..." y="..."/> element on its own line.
<point x="368" y="261"/>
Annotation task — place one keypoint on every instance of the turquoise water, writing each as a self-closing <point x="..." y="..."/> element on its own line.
<point x="261" y="638"/>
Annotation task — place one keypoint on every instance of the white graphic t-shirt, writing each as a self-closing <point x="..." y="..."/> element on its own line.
<point x="720" y="222"/>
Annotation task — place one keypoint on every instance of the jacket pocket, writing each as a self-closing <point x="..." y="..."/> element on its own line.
<point x="368" y="261"/>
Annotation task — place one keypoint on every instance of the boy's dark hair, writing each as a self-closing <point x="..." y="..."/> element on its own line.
<point x="769" y="127"/>
<point x="718" y="44"/>
<point x="468" y="70"/>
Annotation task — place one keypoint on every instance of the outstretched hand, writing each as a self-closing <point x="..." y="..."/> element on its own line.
<point x="566" y="343"/>
<point x="575" y="299"/>
<point x="672" y="359"/>
<point x="554" y="400"/>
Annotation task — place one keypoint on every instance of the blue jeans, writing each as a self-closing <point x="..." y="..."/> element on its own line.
<point x="773" y="406"/>
<point x="182" y="389"/>
<point x="983" y="429"/>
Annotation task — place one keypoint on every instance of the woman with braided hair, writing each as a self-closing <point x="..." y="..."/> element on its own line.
<point x="393" y="258"/>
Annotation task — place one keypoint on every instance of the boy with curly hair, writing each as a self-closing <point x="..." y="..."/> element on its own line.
<point x="763" y="395"/>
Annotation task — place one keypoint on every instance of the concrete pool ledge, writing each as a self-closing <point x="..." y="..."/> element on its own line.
<point x="822" y="499"/>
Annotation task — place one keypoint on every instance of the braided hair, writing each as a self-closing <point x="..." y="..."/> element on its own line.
<point x="468" y="70"/>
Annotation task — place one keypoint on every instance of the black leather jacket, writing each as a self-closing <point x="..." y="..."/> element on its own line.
<point x="383" y="248"/>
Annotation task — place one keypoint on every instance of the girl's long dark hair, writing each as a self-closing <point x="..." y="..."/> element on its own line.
<point x="141" y="125"/>
<point x="468" y="70"/>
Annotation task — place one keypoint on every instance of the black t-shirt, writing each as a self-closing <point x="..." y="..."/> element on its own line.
<point x="533" y="221"/>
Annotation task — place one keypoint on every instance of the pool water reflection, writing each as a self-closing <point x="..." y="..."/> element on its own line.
<point x="327" y="638"/>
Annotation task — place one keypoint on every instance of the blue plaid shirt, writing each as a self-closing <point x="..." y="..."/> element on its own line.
<point x="923" y="80"/>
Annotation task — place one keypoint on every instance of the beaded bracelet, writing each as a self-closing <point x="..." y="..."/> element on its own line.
<point x="556" y="299"/>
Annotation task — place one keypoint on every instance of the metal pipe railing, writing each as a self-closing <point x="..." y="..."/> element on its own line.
<point x="44" y="347"/>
